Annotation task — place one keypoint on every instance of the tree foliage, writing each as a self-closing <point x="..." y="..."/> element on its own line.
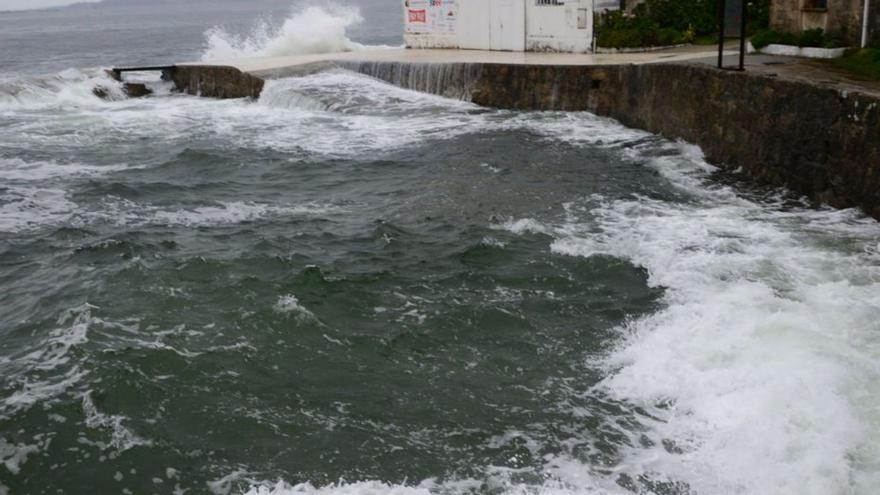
<point x="663" y="22"/>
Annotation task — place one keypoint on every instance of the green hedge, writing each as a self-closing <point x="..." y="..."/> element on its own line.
<point x="620" y="31"/>
<point x="669" y="22"/>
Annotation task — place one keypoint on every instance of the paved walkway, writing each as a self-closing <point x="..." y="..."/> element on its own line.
<point x="267" y="64"/>
<point x="810" y="71"/>
<point x="816" y="72"/>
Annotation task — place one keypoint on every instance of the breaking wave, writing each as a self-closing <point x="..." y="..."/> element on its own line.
<point x="306" y="31"/>
<point x="67" y="88"/>
<point x="758" y="376"/>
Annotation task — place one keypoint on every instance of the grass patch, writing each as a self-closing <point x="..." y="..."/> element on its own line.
<point x="706" y="39"/>
<point x="863" y="64"/>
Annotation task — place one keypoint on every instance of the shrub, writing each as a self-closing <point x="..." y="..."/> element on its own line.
<point x="758" y="15"/>
<point x="835" y="40"/>
<point x="689" y="35"/>
<point x="764" y="37"/>
<point x="668" y="36"/>
<point x="670" y="22"/>
<point x="789" y="39"/>
<point x="814" y="38"/>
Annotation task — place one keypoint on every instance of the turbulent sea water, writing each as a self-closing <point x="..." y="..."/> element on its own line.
<point x="349" y="288"/>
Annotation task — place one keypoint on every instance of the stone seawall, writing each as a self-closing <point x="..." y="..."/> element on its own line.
<point x="817" y="141"/>
<point x="215" y="81"/>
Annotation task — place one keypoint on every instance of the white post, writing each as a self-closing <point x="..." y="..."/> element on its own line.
<point x="865" y="20"/>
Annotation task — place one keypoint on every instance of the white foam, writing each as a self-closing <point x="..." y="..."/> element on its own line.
<point x="128" y="213"/>
<point x="26" y="208"/>
<point x="306" y="31"/>
<point x="339" y="112"/>
<point x="333" y="114"/>
<point x="360" y="488"/>
<point x="35" y="195"/>
<point x="289" y="304"/>
<point x="763" y="368"/>
<point x="16" y="169"/>
<point x="14" y="455"/>
<point x="236" y="212"/>
<point x="67" y="89"/>
<point x="498" y="480"/>
<point x="46" y="370"/>
<point x="121" y="438"/>
<point x="526" y="225"/>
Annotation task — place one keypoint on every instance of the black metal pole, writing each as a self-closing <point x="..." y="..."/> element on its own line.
<point x="742" y="36"/>
<point x="721" y="8"/>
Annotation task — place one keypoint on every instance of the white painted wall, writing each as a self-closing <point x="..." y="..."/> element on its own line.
<point x="559" y="28"/>
<point x="508" y="25"/>
<point x="430" y="23"/>
<point x="474" y="32"/>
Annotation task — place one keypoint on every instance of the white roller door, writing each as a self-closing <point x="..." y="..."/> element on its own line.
<point x="492" y="25"/>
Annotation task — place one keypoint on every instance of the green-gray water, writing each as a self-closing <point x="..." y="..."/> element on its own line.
<point x="350" y="288"/>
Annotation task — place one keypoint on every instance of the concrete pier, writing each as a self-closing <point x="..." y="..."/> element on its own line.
<point x="818" y="135"/>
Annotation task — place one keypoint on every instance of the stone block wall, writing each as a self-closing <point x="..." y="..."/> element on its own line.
<point x="215" y="81"/>
<point x="785" y="15"/>
<point x="813" y="140"/>
<point x="842" y="16"/>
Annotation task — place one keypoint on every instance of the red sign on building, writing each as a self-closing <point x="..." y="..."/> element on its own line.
<point x="420" y="16"/>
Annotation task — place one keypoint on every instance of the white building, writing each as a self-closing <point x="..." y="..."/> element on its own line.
<point x="509" y="25"/>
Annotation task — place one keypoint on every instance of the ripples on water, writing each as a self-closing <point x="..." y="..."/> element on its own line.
<point x="350" y="288"/>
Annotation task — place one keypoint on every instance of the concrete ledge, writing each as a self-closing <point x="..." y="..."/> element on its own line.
<point x="643" y="49"/>
<point x="805" y="52"/>
<point x="216" y="81"/>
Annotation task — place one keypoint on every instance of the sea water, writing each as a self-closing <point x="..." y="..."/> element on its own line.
<point x="349" y="288"/>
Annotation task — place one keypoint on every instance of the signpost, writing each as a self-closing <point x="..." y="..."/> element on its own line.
<point x="732" y="23"/>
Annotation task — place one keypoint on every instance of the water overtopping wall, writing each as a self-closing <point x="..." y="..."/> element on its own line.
<point x="817" y="141"/>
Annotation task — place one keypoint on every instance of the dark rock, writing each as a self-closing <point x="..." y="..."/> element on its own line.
<point x="116" y="76"/>
<point x="136" y="90"/>
<point x="101" y="92"/>
<point x="215" y="81"/>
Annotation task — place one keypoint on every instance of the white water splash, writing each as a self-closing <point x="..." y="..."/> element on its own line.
<point x="307" y="31"/>
<point x="71" y="88"/>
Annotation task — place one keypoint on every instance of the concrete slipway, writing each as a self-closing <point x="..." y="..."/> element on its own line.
<point x="783" y="123"/>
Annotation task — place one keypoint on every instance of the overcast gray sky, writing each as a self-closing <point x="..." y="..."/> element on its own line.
<point x="37" y="4"/>
<point x="42" y="4"/>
